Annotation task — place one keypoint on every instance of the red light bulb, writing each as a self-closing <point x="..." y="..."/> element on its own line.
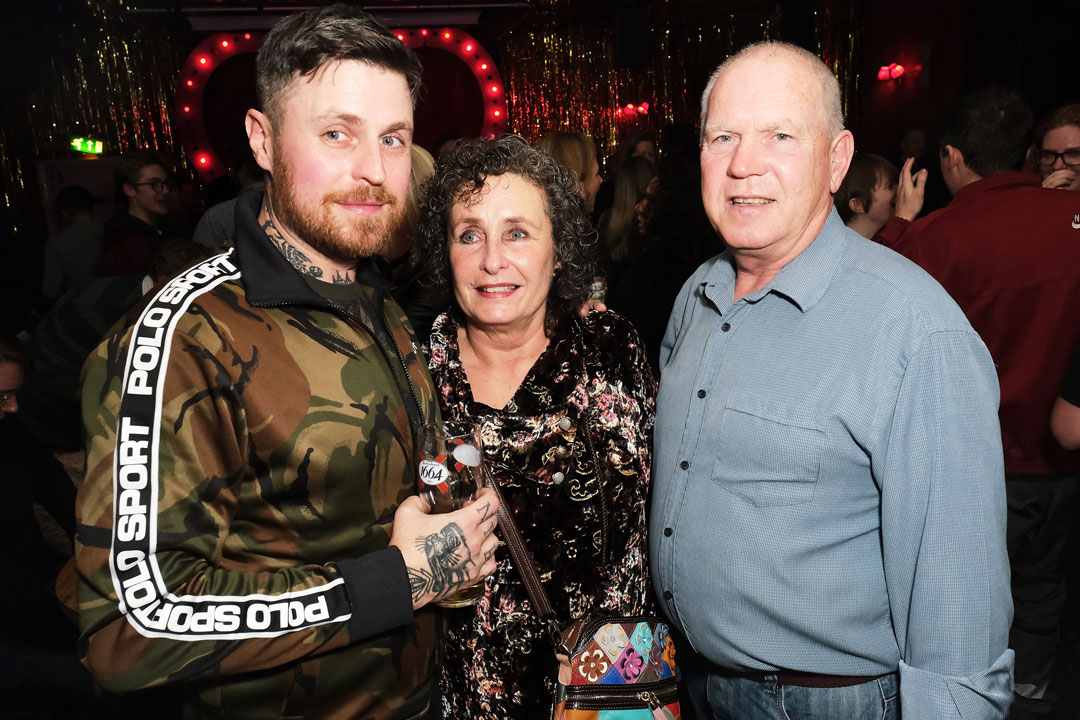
<point x="468" y="48"/>
<point x="497" y="113"/>
<point x="191" y="83"/>
<point x="247" y="36"/>
<point x="187" y="108"/>
<point x="896" y="71"/>
<point x="883" y="72"/>
<point x="424" y="32"/>
<point x="203" y="61"/>
<point x="224" y="43"/>
<point x="483" y="66"/>
<point x="446" y="36"/>
<point x="494" y="88"/>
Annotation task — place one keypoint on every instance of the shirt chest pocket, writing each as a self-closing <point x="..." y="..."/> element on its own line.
<point x="768" y="452"/>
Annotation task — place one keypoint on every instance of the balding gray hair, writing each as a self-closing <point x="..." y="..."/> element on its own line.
<point x="832" y="113"/>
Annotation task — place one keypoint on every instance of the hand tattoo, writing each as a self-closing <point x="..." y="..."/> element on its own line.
<point x="448" y="557"/>
<point x="485" y="511"/>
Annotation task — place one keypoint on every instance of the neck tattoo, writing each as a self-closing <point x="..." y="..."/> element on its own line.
<point x="296" y="258"/>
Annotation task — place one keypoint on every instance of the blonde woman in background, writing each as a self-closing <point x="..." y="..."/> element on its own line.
<point x="576" y="152"/>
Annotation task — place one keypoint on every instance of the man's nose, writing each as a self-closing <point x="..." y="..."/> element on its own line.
<point x="368" y="165"/>
<point x="746" y="159"/>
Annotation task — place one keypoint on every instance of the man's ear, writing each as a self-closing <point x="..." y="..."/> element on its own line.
<point x="260" y="137"/>
<point x="856" y="206"/>
<point x="840" y="154"/>
<point x="129" y="190"/>
<point x="953" y="158"/>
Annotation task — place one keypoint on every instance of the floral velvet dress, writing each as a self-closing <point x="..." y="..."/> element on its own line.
<point x="571" y="452"/>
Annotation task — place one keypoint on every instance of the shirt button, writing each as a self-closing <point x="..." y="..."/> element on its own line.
<point x="564" y="424"/>
<point x="701" y="393"/>
<point x="667" y="595"/>
<point x="558" y="478"/>
<point x="725" y="327"/>
<point x="684" y="465"/>
<point x="667" y="532"/>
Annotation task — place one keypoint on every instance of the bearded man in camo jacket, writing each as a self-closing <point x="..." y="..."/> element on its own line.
<point x="247" y="527"/>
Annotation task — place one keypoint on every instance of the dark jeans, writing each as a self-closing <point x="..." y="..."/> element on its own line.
<point x="715" y="696"/>
<point x="1042" y="535"/>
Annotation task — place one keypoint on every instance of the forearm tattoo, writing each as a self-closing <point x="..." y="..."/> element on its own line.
<point x="448" y="556"/>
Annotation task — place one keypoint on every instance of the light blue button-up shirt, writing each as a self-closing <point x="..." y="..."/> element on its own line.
<point x="828" y="479"/>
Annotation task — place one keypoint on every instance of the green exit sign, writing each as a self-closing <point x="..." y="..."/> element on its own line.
<point x="87" y="145"/>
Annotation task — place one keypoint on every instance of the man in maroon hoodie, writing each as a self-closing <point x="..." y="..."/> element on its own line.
<point x="1008" y="251"/>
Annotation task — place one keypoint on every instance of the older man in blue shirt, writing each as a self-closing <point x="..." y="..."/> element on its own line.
<point x="828" y="525"/>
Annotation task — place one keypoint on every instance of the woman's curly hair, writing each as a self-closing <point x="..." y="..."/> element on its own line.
<point x="460" y="177"/>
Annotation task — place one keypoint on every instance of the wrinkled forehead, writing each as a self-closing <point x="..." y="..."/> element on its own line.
<point x="771" y="87"/>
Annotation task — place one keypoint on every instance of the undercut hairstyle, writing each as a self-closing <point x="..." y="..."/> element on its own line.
<point x="127" y="171"/>
<point x="832" y="110"/>
<point x="459" y="178"/>
<point x="302" y="44"/>
<point x="991" y="128"/>
<point x="1062" y="117"/>
<point x="866" y="172"/>
<point x="571" y="150"/>
<point x="74" y="199"/>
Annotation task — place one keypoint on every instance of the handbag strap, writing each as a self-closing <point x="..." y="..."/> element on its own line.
<point x="523" y="561"/>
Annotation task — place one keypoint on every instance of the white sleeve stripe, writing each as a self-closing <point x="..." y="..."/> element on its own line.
<point x="141" y="592"/>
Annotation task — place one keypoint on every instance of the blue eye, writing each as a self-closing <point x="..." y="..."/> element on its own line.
<point x="468" y="237"/>
<point x="783" y="136"/>
<point x="333" y="135"/>
<point x="518" y="234"/>
<point x="391" y="141"/>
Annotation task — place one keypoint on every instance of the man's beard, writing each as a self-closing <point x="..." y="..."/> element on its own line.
<point x="339" y="239"/>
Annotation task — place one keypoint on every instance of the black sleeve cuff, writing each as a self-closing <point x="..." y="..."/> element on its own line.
<point x="378" y="589"/>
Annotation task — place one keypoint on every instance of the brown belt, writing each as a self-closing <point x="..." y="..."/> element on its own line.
<point x="801" y="679"/>
<point x="816" y="680"/>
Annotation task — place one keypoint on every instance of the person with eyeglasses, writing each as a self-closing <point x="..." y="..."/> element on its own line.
<point x="1008" y="251"/>
<point x="132" y="236"/>
<point x="1057" y="148"/>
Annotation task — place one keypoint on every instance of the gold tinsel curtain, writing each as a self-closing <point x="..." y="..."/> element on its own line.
<point x="561" y="73"/>
<point x="101" y="77"/>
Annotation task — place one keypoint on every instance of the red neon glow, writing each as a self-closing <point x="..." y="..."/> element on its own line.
<point x="203" y="61"/>
<point x="401" y="37"/>
<point x="247" y="36"/>
<point x="883" y="72"/>
<point x="494" y="88"/>
<point x="446" y="36"/>
<point x="644" y="106"/>
<point x="630" y="107"/>
<point x="896" y="71"/>
<point x="483" y="66"/>
<point x="497" y="113"/>
<point x="187" y="108"/>
<point x="424" y="32"/>
<point x="468" y="48"/>
<point x="191" y="83"/>
<point x="203" y="159"/>
<point x="225" y="43"/>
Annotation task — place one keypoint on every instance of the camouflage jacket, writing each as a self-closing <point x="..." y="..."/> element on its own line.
<point x="248" y="444"/>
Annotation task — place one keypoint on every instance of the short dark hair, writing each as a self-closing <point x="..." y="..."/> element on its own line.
<point x="11" y="352"/>
<point x="991" y="128"/>
<point x="301" y="44"/>
<point x="460" y="177"/>
<point x="128" y="169"/>
<point x="1063" y="116"/>
<point x="865" y="173"/>
<point x="74" y="199"/>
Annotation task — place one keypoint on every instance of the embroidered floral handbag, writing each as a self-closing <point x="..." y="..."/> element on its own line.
<point x="610" y="668"/>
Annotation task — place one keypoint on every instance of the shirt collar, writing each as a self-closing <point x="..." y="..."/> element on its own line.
<point x="803" y="281"/>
